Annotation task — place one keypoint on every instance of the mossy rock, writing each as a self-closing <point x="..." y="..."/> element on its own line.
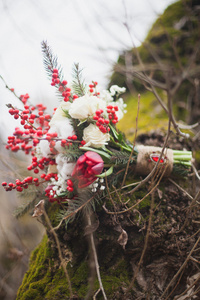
<point x="172" y="41"/>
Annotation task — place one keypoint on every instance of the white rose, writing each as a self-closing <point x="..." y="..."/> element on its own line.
<point x="86" y="106"/>
<point x="94" y="137"/>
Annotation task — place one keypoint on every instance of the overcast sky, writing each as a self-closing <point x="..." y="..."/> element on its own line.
<point x="90" y="32"/>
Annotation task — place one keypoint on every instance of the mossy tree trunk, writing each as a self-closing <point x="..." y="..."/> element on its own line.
<point x="159" y="260"/>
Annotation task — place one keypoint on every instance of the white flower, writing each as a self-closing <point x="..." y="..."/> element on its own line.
<point x="115" y="89"/>
<point x="94" y="137"/>
<point x="59" y="114"/>
<point x="60" y="123"/>
<point x="86" y="106"/>
<point x="106" y="96"/>
<point x="64" y="167"/>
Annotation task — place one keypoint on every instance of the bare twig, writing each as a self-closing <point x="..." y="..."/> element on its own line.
<point x="136" y="128"/>
<point x="181" y="268"/>
<point x="63" y="262"/>
<point x="145" y="242"/>
<point x="95" y="258"/>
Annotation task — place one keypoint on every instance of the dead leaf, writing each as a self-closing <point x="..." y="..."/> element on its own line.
<point x="123" y="238"/>
<point x="91" y="228"/>
<point x="39" y="209"/>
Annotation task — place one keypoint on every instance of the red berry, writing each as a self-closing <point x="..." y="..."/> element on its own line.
<point x="55" y="75"/>
<point x="74" y="137"/>
<point x="64" y="82"/>
<point x="19" y="188"/>
<point x="69" y="182"/>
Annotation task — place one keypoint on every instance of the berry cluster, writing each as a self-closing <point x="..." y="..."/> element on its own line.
<point x="40" y="164"/>
<point x="67" y="143"/>
<point x="20" y="185"/>
<point x="92" y="87"/>
<point x="48" y="176"/>
<point x="111" y="110"/>
<point x="28" y="118"/>
<point x="23" y="98"/>
<point x="23" y="140"/>
<point x="103" y="123"/>
<point x="70" y="185"/>
<point x="62" y="86"/>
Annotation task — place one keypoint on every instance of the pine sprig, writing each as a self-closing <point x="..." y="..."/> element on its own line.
<point x="78" y="128"/>
<point x="73" y="152"/>
<point x="78" y="84"/>
<point x="26" y="207"/>
<point x="82" y="203"/>
<point x="121" y="157"/>
<point x="50" y="62"/>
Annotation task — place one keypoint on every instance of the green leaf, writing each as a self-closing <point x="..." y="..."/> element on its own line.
<point x="107" y="173"/>
<point x="100" y="152"/>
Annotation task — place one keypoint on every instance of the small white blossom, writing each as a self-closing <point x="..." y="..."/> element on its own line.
<point x="101" y="180"/>
<point x="102" y="187"/>
<point x="106" y="96"/>
<point x="115" y="89"/>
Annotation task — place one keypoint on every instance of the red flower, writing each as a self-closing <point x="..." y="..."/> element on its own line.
<point x="87" y="167"/>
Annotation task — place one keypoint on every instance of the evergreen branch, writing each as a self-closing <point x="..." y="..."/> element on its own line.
<point x="78" y="128"/>
<point x="26" y="206"/>
<point x="73" y="152"/>
<point x="122" y="157"/>
<point x="50" y="62"/>
<point x="83" y="199"/>
<point x="78" y="84"/>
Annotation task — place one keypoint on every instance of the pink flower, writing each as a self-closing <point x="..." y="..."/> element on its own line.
<point x="87" y="167"/>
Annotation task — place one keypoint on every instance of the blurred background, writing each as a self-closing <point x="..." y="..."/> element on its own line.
<point x="93" y="33"/>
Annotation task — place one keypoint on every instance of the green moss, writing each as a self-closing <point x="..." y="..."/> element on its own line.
<point x="151" y="116"/>
<point x="43" y="281"/>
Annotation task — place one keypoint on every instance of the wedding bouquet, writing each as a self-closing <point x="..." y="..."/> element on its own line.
<point x="79" y="147"/>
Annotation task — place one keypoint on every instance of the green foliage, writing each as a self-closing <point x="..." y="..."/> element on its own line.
<point x="32" y="196"/>
<point x="50" y="61"/>
<point x="73" y="152"/>
<point x="122" y="158"/>
<point x="78" y="84"/>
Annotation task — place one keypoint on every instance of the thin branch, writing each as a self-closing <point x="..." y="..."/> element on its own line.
<point x="145" y="242"/>
<point x="181" y="268"/>
<point x="63" y="263"/>
<point x="136" y="128"/>
<point x="95" y="258"/>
